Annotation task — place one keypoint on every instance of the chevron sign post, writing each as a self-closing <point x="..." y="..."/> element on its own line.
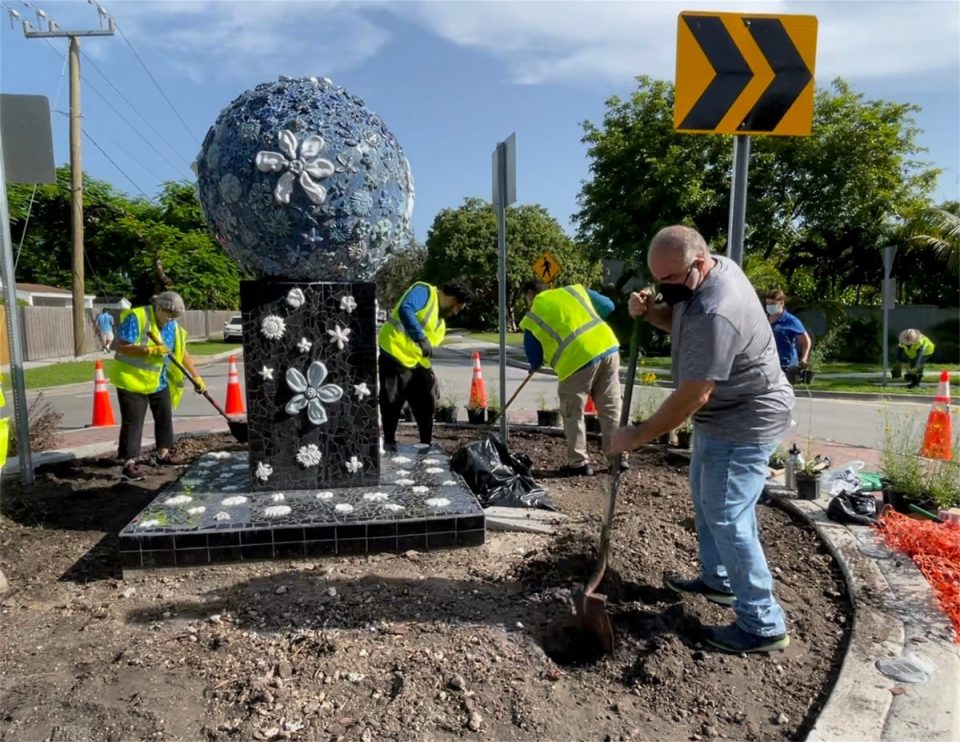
<point x="743" y="74"/>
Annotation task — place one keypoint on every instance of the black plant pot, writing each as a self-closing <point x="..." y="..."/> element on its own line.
<point x="664" y="439"/>
<point x="683" y="438"/>
<point x="477" y="415"/>
<point x="808" y="486"/>
<point x="548" y="418"/>
<point x="901" y="501"/>
<point x="446" y="415"/>
<point x="593" y="424"/>
<point x="492" y="415"/>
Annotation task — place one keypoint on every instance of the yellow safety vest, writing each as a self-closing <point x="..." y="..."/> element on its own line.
<point x="393" y="338"/>
<point x="911" y="351"/>
<point x="141" y="374"/>
<point x="4" y="433"/>
<point x="569" y="329"/>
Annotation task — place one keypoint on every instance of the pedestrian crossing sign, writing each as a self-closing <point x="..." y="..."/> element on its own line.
<point x="547" y="268"/>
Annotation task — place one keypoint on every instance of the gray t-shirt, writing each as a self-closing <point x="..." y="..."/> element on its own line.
<point x="722" y="334"/>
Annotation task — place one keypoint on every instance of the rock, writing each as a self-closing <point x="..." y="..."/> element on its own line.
<point x="354" y="677"/>
<point x="456" y="682"/>
<point x="284" y="669"/>
<point x="366" y="735"/>
<point x="412" y="555"/>
<point x="281" y="589"/>
<point x="128" y="593"/>
<point x="215" y="618"/>
<point x="474" y="721"/>
<point x="276" y="682"/>
<point x="782" y="718"/>
<point x="332" y="592"/>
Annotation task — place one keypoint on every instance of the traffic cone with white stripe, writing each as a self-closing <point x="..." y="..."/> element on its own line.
<point x="478" y="387"/>
<point x="102" y="409"/>
<point x="234" y="405"/>
<point x="938" y="436"/>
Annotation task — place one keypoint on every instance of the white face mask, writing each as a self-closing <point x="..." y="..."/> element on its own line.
<point x="773" y="309"/>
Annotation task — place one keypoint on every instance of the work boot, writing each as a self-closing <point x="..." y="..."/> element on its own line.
<point x="735" y="640"/>
<point x="697" y="586"/>
<point x="584" y="470"/>
<point x="132" y="471"/>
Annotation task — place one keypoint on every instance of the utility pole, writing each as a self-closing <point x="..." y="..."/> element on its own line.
<point x="76" y="164"/>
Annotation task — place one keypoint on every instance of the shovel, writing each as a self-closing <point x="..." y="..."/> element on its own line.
<point x="591" y="607"/>
<point x="238" y="428"/>
<point x="513" y="396"/>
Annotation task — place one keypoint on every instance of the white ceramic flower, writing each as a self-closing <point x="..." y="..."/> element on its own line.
<point x="238" y="500"/>
<point x="343" y="507"/>
<point x="152" y="523"/>
<point x="304" y="345"/>
<point x="401" y="460"/>
<point x="275" y="511"/>
<point x="312" y="392"/>
<point x="354" y="465"/>
<point x="361" y="390"/>
<point x="272" y="327"/>
<point x="309" y="455"/>
<point x="420" y="489"/>
<point x="437" y="502"/>
<point x="178" y="500"/>
<point x="339" y="336"/>
<point x="295" y="298"/>
<point x="266" y="373"/>
<point x="196" y="510"/>
<point x="402" y="472"/>
<point x="325" y="495"/>
<point x="348" y="304"/>
<point x="277" y="497"/>
<point x="376" y="496"/>
<point x="435" y="470"/>
<point x="392" y="507"/>
<point x="222" y="516"/>
<point x="448" y="483"/>
<point x="306" y="166"/>
<point x="430" y="462"/>
<point x="404" y="482"/>
<point x="263" y="471"/>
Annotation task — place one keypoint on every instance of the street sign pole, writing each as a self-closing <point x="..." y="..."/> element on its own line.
<point x="738" y="198"/>
<point x="887" y="294"/>
<point x="504" y="194"/>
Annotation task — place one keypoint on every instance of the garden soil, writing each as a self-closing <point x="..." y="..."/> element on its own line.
<point x="441" y="645"/>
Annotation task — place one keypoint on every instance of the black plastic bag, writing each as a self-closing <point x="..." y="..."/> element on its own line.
<point x="853" y="507"/>
<point x="498" y="477"/>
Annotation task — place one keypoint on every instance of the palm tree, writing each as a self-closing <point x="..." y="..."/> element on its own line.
<point x="938" y="229"/>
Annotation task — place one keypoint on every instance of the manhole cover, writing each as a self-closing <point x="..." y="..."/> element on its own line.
<point x="905" y="669"/>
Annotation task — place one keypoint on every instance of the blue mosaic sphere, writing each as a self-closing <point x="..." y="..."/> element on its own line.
<point x="300" y="181"/>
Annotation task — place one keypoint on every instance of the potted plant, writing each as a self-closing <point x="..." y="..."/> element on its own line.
<point x="476" y="415"/>
<point x="684" y="433"/>
<point x="808" y="478"/>
<point x="447" y="410"/>
<point x="493" y="406"/>
<point x="944" y="481"/>
<point x="904" y="475"/>
<point x="778" y="459"/>
<point x="547" y="416"/>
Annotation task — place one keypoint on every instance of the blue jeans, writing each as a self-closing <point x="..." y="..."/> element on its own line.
<point x="726" y="480"/>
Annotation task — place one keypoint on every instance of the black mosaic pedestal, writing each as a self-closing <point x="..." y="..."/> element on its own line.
<point x="209" y="516"/>
<point x="310" y="362"/>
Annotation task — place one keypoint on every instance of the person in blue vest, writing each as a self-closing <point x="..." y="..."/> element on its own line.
<point x="415" y="327"/>
<point x="565" y="330"/>
<point x="793" y="340"/>
<point x="144" y="378"/>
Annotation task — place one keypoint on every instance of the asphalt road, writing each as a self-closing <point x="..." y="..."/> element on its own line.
<point x="843" y="421"/>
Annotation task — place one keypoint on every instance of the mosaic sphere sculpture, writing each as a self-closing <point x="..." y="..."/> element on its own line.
<point x="300" y="181"/>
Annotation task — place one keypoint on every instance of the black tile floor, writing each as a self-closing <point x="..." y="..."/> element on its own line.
<point x="207" y="517"/>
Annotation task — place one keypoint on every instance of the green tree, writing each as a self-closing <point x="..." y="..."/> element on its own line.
<point x="398" y="272"/>
<point x="937" y="230"/>
<point x="462" y="244"/>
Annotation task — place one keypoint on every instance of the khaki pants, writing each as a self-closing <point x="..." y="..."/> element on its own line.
<point x="602" y="382"/>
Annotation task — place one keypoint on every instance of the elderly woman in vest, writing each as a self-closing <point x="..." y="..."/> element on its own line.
<point x="914" y="349"/>
<point x="144" y="378"/>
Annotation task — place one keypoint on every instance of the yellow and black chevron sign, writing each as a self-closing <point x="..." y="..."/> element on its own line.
<point x="740" y="73"/>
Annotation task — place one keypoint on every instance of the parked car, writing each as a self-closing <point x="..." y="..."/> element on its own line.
<point x="233" y="328"/>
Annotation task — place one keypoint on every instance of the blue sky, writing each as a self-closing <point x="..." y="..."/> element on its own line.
<point x="449" y="78"/>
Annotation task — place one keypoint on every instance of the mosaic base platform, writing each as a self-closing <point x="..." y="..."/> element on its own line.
<point x="209" y="516"/>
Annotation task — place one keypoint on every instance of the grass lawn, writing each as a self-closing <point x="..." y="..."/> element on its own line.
<point x="57" y="374"/>
<point x="514" y="339"/>
<point x="874" y="386"/>
<point x="211" y="347"/>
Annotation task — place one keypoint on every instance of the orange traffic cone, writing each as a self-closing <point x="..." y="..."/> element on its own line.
<point x="234" y="405"/>
<point x="102" y="409"/>
<point x="938" y="437"/>
<point x="590" y="408"/>
<point x="478" y="387"/>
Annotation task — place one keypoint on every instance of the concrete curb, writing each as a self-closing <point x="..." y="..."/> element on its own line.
<point x="894" y="615"/>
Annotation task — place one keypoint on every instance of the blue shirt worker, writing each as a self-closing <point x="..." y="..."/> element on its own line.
<point x="105" y="329"/>
<point x="144" y="378"/>
<point x="565" y="329"/>
<point x="727" y="376"/>
<point x="407" y="340"/>
<point x="914" y="349"/>
<point x="793" y="340"/>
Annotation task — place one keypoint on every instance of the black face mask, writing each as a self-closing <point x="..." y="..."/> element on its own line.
<point x="674" y="293"/>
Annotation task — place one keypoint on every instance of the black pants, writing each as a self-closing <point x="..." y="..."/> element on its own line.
<point x="416" y="386"/>
<point x="133" y="411"/>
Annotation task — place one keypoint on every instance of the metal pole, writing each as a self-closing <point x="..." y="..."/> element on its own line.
<point x="738" y="198"/>
<point x="889" y="253"/>
<point x="24" y="455"/>
<point x="76" y="198"/>
<point x="502" y="274"/>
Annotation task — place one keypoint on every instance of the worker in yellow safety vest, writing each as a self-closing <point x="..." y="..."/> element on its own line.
<point x="144" y="378"/>
<point x="565" y="329"/>
<point x="414" y="328"/>
<point x="914" y="349"/>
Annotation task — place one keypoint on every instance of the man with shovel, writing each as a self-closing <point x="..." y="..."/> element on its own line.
<point x="728" y="377"/>
<point x="144" y="379"/>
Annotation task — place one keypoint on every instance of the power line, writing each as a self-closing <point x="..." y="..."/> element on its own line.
<point x="134" y="108"/>
<point x="122" y="172"/>
<point x="157" y="84"/>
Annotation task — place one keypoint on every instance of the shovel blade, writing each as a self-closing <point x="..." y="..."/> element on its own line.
<point x="239" y="430"/>
<point x="593" y="617"/>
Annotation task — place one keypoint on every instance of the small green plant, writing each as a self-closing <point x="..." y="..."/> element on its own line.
<point x="493" y="400"/>
<point x="778" y="459"/>
<point x="542" y="403"/>
<point x="899" y="463"/>
<point x="450" y="401"/>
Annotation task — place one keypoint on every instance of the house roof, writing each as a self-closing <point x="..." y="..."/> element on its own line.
<point x="39" y="288"/>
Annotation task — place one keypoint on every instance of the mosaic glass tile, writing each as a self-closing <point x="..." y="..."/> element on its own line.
<point x="240" y="525"/>
<point x="312" y="406"/>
